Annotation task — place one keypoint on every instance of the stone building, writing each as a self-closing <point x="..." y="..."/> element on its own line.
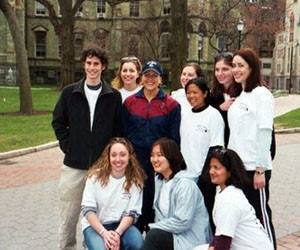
<point x="133" y="28"/>
<point x="286" y="59"/>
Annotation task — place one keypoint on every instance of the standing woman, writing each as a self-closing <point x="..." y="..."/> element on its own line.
<point x="128" y="77"/>
<point x="181" y="220"/>
<point x="224" y="88"/>
<point x="201" y="130"/>
<point x="250" y="120"/>
<point x="147" y="116"/>
<point x="189" y="71"/>
<point x="112" y="199"/>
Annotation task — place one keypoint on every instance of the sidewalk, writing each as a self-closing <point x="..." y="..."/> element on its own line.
<point x="284" y="104"/>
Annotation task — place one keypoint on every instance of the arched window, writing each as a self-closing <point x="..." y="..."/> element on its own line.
<point x="133" y="45"/>
<point x="202" y="29"/>
<point x="100" y="37"/>
<point x="164" y="39"/>
<point x="78" y="42"/>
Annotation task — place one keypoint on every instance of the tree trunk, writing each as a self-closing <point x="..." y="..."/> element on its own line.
<point x="67" y="57"/>
<point x="26" y="106"/>
<point x="178" y="53"/>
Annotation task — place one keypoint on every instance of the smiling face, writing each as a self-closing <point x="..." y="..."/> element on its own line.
<point x="151" y="81"/>
<point x="160" y="163"/>
<point x="195" y="96"/>
<point x="223" y="73"/>
<point x="119" y="159"/>
<point x="187" y="74"/>
<point x="240" y="70"/>
<point x="129" y="74"/>
<point x="93" y="69"/>
<point x="218" y="173"/>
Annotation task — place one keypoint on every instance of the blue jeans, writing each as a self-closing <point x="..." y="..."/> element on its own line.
<point x="130" y="240"/>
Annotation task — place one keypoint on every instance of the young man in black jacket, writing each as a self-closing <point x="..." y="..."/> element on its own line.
<point x="86" y="116"/>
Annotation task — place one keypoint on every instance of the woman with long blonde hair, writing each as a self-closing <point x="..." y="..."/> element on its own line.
<point x="128" y="77"/>
<point x="112" y="199"/>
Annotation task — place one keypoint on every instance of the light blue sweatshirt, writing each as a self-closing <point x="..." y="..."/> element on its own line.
<point x="187" y="219"/>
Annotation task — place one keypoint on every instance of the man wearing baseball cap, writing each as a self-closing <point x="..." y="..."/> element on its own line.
<point x="149" y="115"/>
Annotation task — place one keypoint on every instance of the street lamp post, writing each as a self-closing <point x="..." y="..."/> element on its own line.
<point x="240" y="28"/>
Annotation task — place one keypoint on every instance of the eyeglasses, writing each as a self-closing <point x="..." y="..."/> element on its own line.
<point x="226" y="55"/>
<point x="129" y="58"/>
<point x="221" y="151"/>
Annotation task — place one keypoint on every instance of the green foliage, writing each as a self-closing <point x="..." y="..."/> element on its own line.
<point x="288" y="120"/>
<point x="20" y="131"/>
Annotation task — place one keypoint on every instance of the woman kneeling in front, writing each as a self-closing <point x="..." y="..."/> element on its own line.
<point x="181" y="219"/>
<point x="237" y="226"/>
<point x="112" y="199"/>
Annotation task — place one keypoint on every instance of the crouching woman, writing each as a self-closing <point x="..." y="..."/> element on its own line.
<point x="112" y="199"/>
<point x="181" y="219"/>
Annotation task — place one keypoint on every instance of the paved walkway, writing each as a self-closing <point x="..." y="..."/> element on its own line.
<point x="286" y="103"/>
<point x="29" y="198"/>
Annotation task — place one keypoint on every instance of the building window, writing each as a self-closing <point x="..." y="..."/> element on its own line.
<point x="78" y="43"/>
<point x="101" y="8"/>
<point x="134" y="8"/>
<point x="40" y="9"/>
<point x="266" y="65"/>
<point x="166" y="7"/>
<point x="133" y="46"/>
<point x="292" y="21"/>
<point x="40" y="43"/>
<point x="222" y="43"/>
<point x="164" y="45"/>
<point x="164" y="40"/>
<point x="100" y="36"/>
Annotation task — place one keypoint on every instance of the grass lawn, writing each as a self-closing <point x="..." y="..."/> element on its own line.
<point x="288" y="120"/>
<point x="19" y="131"/>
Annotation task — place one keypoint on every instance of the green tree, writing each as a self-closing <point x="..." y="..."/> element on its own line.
<point x="63" y="24"/>
<point x="14" y="13"/>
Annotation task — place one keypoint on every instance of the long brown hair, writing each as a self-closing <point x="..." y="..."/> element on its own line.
<point x="117" y="81"/>
<point x="218" y="89"/>
<point x="101" y="169"/>
<point x="254" y="78"/>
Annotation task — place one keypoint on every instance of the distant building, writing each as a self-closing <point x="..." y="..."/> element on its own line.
<point x="286" y="59"/>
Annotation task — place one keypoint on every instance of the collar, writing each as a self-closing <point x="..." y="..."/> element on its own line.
<point x="106" y="89"/>
<point x="160" y="94"/>
<point x="200" y="109"/>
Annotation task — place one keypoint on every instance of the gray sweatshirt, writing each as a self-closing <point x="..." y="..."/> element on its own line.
<point x="187" y="219"/>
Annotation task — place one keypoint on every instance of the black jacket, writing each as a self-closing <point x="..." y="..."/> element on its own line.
<point x="71" y="123"/>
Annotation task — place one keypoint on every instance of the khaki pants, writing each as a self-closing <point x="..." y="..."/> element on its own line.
<point x="71" y="185"/>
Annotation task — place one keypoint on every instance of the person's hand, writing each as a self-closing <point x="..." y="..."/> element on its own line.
<point x="111" y="239"/>
<point x="225" y="105"/>
<point x="259" y="180"/>
<point x="211" y="248"/>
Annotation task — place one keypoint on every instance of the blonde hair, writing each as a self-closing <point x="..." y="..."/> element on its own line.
<point x="101" y="169"/>
<point x="117" y="81"/>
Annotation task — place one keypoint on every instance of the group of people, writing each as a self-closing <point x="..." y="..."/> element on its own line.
<point x="149" y="170"/>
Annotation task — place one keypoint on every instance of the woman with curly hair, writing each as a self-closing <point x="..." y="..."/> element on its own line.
<point x="112" y="199"/>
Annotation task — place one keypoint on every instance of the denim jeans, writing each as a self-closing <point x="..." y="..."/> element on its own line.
<point x="130" y="240"/>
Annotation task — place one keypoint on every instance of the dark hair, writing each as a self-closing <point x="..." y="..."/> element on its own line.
<point x="171" y="151"/>
<point x="218" y="89"/>
<point x="201" y="83"/>
<point x="196" y="67"/>
<point x="254" y="78"/>
<point x="233" y="164"/>
<point x="93" y="50"/>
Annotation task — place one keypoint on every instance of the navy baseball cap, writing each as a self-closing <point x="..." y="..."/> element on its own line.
<point x="152" y="66"/>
